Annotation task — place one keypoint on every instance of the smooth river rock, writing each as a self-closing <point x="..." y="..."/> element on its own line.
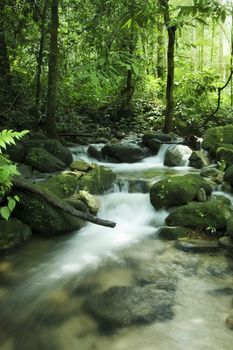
<point x="125" y="306"/>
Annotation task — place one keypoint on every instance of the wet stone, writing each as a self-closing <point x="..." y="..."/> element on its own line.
<point x="229" y="320"/>
<point x="172" y="233"/>
<point x="197" y="245"/>
<point x="221" y="291"/>
<point x="125" y="306"/>
<point x="226" y="242"/>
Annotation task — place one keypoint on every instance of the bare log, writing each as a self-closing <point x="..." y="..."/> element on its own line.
<point x="69" y="210"/>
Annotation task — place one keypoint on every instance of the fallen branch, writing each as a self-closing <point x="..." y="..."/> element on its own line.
<point x="69" y="210"/>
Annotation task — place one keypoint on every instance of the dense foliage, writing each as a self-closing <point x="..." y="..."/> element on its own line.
<point x="62" y="60"/>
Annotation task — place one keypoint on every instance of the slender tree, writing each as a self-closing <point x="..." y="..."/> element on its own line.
<point x="52" y="74"/>
<point x="5" y="73"/>
<point x="171" y="30"/>
<point x="40" y="55"/>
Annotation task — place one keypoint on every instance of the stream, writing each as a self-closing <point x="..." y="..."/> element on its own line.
<point x="44" y="284"/>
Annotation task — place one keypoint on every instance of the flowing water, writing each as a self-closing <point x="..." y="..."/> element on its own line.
<point x="45" y="284"/>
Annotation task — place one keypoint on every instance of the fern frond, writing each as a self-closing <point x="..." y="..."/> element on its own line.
<point x="7" y="137"/>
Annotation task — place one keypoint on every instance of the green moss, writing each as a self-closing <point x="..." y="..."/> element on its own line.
<point x="177" y="190"/>
<point x="97" y="180"/>
<point x="62" y="185"/>
<point x="13" y="233"/>
<point x="43" y="161"/>
<point x="212" y="215"/>
<point x="225" y="154"/>
<point x="45" y="218"/>
<point x="217" y="135"/>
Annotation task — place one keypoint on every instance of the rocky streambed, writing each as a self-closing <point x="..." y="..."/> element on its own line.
<point x="161" y="279"/>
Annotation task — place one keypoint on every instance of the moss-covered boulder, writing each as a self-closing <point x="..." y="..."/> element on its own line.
<point x="229" y="230"/>
<point x="80" y="165"/>
<point x="91" y="201"/>
<point x="213" y="174"/>
<point x="225" y="154"/>
<point x="228" y="176"/>
<point x="42" y="160"/>
<point x="98" y="180"/>
<point x="198" y="160"/>
<point x="43" y="217"/>
<point x="211" y="215"/>
<point x="177" y="190"/>
<point x="216" y="136"/>
<point x="62" y="185"/>
<point x="13" y="233"/>
<point x="55" y="148"/>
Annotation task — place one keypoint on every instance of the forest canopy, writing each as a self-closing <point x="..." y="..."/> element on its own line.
<point x="158" y="64"/>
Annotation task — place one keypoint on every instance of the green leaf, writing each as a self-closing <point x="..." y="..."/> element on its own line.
<point x="11" y="203"/>
<point x="5" y="212"/>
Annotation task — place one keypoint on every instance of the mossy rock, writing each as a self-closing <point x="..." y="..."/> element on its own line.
<point x="215" y="175"/>
<point x="177" y="190"/>
<point x="229" y="230"/>
<point x="77" y="204"/>
<point x="43" y="161"/>
<point x="98" y="180"/>
<point x="172" y="233"/>
<point x="61" y="185"/>
<point x="211" y="215"/>
<point x="213" y="137"/>
<point x="228" y="176"/>
<point x="58" y="150"/>
<point x="225" y="154"/>
<point x="13" y="233"/>
<point x="43" y="217"/>
<point x="80" y="165"/>
<point x="198" y="160"/>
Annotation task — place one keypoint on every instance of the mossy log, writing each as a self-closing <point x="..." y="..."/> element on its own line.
<point x="69" y="210"/>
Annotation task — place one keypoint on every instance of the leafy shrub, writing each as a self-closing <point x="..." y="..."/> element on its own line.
<point x="7" y="171"/>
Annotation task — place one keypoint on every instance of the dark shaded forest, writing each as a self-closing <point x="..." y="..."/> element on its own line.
<point x="125" y="66"/>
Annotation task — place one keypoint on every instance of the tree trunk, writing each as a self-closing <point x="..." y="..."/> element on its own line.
<point x="170" y="66"/>
<point x="5" y="73"/>
<point x="212" y="42"/>
<point x="160" y="50"/>
<point x="170" y="80"/>
<point x="40" y="59"/>
<point x="201" y="47"/>
<point x="220" y="54"/>
<point x="67" y="209"/>
<point x="52" y="74"/>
